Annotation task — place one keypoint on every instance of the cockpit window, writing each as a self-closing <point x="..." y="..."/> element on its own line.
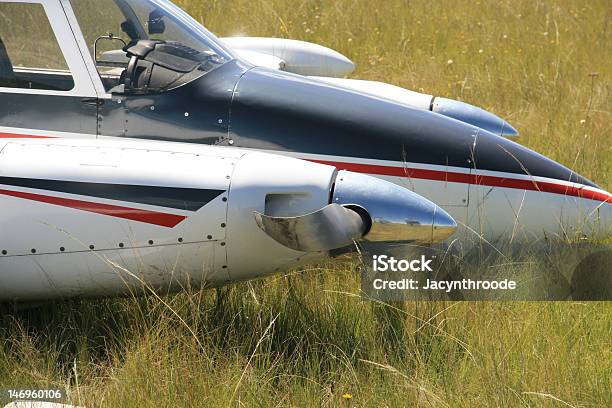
<point x="30" y="55"/>
<point x="108" y="26"/>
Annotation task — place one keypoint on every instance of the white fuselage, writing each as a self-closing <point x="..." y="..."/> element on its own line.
<point x="63" y="242"/>
<point x="90" y="219"/>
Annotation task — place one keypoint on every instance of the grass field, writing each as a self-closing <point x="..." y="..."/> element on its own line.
<point x="306" y="338"/>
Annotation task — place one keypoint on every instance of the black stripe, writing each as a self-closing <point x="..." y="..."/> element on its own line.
<point x="190" y="199"/>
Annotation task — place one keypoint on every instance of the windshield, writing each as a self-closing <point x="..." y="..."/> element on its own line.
<point x="108" y="25"/>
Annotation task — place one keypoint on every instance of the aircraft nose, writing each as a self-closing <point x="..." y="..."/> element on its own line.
<point x="473" y="115"/>
<point x="395" y="214"/>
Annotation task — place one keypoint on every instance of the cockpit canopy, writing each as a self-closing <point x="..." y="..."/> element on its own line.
<point x="146" y="45"/>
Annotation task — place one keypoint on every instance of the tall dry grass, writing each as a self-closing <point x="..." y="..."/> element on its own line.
<point x="306" y="338"/>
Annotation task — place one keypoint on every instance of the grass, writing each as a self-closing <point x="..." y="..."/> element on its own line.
<point x="306" y="338"/>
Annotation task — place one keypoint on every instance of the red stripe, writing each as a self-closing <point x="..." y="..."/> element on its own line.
<point x="532" y="185"/>
<point x="134" y="214"/>
<point x="20" y="136"/>
<point x="437" y="175"/>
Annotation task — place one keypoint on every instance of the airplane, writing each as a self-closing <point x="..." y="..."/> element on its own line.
<point x="144" y="71"/>
<point x="91" y="218"/>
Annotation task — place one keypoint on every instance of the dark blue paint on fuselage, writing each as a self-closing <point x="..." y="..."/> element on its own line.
<point x="265" y="109"/>
<point x="197" y="112"/>
<point x="48" y="112"/>
<point x="281" y="111"/>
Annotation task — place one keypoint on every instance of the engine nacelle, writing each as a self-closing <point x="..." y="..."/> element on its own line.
<point x="102" y="218"/>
